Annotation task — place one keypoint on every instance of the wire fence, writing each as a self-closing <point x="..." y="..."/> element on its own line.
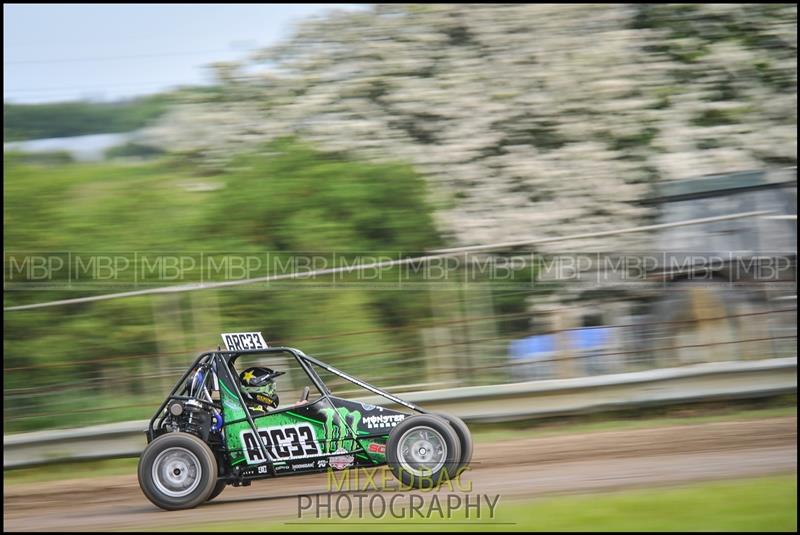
<point x="462" y="339"/>
<point x="495" y="318"/>
<point x="624" y="347"/>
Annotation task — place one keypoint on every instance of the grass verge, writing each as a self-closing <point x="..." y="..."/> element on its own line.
<point x="757" y="504"/>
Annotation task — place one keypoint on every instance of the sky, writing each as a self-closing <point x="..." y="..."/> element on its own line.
<point x="107" y="52"/>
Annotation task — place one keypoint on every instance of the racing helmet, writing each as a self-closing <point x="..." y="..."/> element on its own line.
<point x="259" y="386"/>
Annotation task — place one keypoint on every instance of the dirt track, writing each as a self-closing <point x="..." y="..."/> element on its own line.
<point x="519" y="468"/>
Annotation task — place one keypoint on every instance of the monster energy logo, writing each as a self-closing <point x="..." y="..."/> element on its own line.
<point x="336" y="431"/>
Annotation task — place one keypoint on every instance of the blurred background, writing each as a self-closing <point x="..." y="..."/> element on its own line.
<point x="629" y="171"/>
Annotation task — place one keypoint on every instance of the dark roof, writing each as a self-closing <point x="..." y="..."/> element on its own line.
<point x="711" y="186"/>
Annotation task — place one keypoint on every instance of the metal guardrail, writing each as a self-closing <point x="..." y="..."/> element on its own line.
<point x="494" y="403"/>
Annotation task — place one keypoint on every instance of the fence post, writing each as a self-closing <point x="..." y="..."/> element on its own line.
<point x="205" y="319"/>
<point x="170" y="336"/>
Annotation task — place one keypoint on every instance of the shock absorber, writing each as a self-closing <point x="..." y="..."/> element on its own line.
<point x="216" y="421"/>
<point x="191" y="417"/>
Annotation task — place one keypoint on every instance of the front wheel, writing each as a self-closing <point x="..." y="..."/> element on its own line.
<point x="464" y="438"/>
<point x="218" y="488"/>
<point x="177" y="471"/>
<point x="423" y="451"/>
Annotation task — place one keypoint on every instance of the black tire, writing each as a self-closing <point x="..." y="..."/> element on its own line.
<point x="444" y="436"/>
<point x="181" y="454"/>
<point x="218" y="488"/>
<point x="464" y="439"/>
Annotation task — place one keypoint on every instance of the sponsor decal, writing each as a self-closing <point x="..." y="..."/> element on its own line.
<point x="285" y="442"/>
<point x="243" y="341"/>
<point x="337" y="434"/>
<point x="377" y="448"/>
<point x="266" y="400"/>
<point x="340" y="462"/>
<point x="302" y="466"/>
<point x="322" y="463"/>
<point x="383" y="420"/>
<point x="367" y="406"/>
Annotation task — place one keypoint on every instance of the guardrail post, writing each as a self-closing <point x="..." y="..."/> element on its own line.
<point x="564" y="354"/>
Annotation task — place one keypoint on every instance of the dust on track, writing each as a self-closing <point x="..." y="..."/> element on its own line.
<point x="576" y="463"/>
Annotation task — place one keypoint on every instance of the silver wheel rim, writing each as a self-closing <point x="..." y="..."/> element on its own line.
<point x="176" y="472"/>
<point x="422" y="451"/>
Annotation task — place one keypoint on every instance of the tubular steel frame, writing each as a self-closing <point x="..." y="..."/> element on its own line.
<point x="208" y="359"/>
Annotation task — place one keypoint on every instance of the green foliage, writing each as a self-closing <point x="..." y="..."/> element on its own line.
<point x="639" y="139"/>
<point x="59" y="157"/>
<point x="321" y="202"/>
<point x="286" y="199"/>
<point x="717" y="117"/>
<point x="132" y="150"/>
<point x="65" y="119"/>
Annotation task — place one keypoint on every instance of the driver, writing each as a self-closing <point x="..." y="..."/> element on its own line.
<point x="259" y="389"/>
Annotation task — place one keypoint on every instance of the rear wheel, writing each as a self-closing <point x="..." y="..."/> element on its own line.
<point x="464" y="439"/>
<point x="423" y="451"/>
<point x="177" y="471"/>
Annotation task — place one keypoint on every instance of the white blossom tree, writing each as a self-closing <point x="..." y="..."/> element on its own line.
<point x="529" y="120"/>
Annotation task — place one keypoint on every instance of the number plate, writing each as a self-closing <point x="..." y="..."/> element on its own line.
<point x="243" y="341"/>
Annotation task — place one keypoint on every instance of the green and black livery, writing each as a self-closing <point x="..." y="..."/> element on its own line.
<point x="206" y="408"/>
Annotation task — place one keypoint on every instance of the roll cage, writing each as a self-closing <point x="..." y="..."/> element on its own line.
<point x="220" y="364"/>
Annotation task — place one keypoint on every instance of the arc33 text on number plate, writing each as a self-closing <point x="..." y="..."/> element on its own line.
<point x="243" y="341"/>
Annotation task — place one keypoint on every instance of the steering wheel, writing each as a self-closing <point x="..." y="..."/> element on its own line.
<point x="306" y="391"/>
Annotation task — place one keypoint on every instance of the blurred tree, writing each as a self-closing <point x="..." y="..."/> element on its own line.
<point x="287" y="198"/>
<point x="66" y="119"/>
<point x="524" y="116"/>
